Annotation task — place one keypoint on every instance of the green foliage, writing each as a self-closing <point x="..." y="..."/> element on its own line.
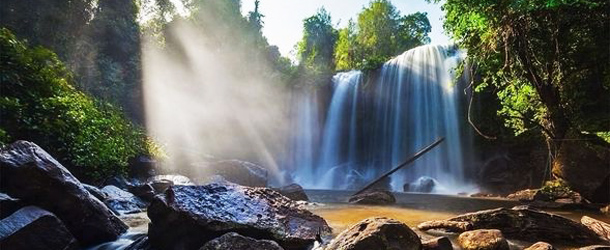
<point x="317" y="47"/>
<point x="39" y="103"/>
<point x="547" y="60"/>
<point x="555" y="189"/>
<point x="380" y="34"/>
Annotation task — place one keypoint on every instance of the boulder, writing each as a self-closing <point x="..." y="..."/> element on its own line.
<point x="483" y="239"/>
<point x="8" y="205"/>
<point x="605" y="210"/>
<point x="235" y="171"/>
<point x="161" y="185"/>
<point x="144" y="191"/>
<point x="540" y="246"/>
<point x="186" y="217"/>
<point x="523" y="195"/>
<point x="293" y="191"/>
<point x="599" y="227"/>
<point x="377" y="233"/>
<point x="118" y="181"/>
<point x="375" y="197"/>
<point x="32" y="175"/>
<point x="234" y="241"/>
<point x="423" y="184"/>
<point x="122" y="202"/>
<point x="33" y="228"/>
<point x="590" y="154"/>
<point x="438" y="243"/>
<point x="96" y="192"/>
<point x="519" y="223"/>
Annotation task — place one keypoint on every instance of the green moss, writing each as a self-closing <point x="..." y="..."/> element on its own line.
<point x="38" y="103"/>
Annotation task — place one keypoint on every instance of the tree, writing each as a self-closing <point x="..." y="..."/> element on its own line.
<point x="380" y="34"/>
<point x="547" y="60"/>
<point x="316" y="48"/>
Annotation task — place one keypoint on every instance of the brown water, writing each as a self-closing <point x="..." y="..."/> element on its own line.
<point x="412" y="209"/>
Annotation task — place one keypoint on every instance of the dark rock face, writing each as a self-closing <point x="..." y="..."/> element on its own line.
<point x="576" y="155"/>
<point x="144" y="191"/>
<point x="95" y="192"/>
<point x="483" y="239"/>
<point x="188" y="216"/>
<point x="32" y="175"/>
<point x="8" y="205"/>
<point x="235" y="171"/>
<point x="122" y="202"/>
<point x="375" y="197"/>
<point x="540" y="246"/>
<point x="423" y="184"/>
<point x="519" y="223"/>
<point x="234" y="241"/>
<point x="293" y="191"/>
<point x="377" y="233"/>
<point x="33" y="228"/>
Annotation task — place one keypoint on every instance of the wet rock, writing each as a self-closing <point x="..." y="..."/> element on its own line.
<point x="122" y="202"/>
<point x="438" y="243"/>
<point x="171" y="179"/>
<point x="188" y="216"/>
<point x="95" y="192"/>
<point x="140" y="243"/>
<point x="523" y="195"/>
<point x="118" y="181"/>
<point x="32" y="175"/>
<point x="293" y="191"/>
<point x="483" y="239"/>
<point x="599" y="227"/>
<point x="423" y="184"/>
<point x="9" y="205"/>
<point x="596" y="247"/>
<point x="234" y="241"/>
<point x="161" y="185"/>
<point x="235" y="171"/>
<point x="33" y="228"/>
<point x="142" y="167"/>
<point x="144" y="191"/>
<point x="519" y="223"/>
<point x="540" y="246"/>
<point x="377" y="233"/>
<point x="375" y="197"/>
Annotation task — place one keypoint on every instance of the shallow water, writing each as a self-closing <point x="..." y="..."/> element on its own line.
<point x="415" y="208"/>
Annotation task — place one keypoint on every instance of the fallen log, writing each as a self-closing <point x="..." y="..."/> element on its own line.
<point x="520" y="223"/>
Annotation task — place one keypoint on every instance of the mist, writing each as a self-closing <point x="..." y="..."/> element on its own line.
<point x="206" y="101"/>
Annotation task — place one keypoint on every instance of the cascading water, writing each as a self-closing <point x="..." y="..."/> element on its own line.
<point x="373" y="126"/>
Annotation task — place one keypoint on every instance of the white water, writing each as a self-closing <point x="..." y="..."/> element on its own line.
<point x="370" y="129"/>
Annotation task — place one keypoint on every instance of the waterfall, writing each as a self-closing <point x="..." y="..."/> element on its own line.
<point x="371" y="127"/>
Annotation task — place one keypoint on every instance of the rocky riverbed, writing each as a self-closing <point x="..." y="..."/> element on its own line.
<point x="38" y="193"/>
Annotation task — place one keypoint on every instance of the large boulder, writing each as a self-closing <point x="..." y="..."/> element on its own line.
<point x="438" y="243"/>
<point x="234" y="241"/>
<point x="583" y="165"/>
<point x="483" y="239"/>
<point x="188" y="216"/>
<point x="235" y="171"/>
<point x="519" y="223"/>
<point x="32" y="175"/>
<point x="8" y="205"/>
<point x="375" y="197"/>
<point x="122" y="202"/>
<point x="599" y="227"/>
<point x="377" y="233"/>
<point x="33" y="228"/>
<point x="293" y="191"/>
